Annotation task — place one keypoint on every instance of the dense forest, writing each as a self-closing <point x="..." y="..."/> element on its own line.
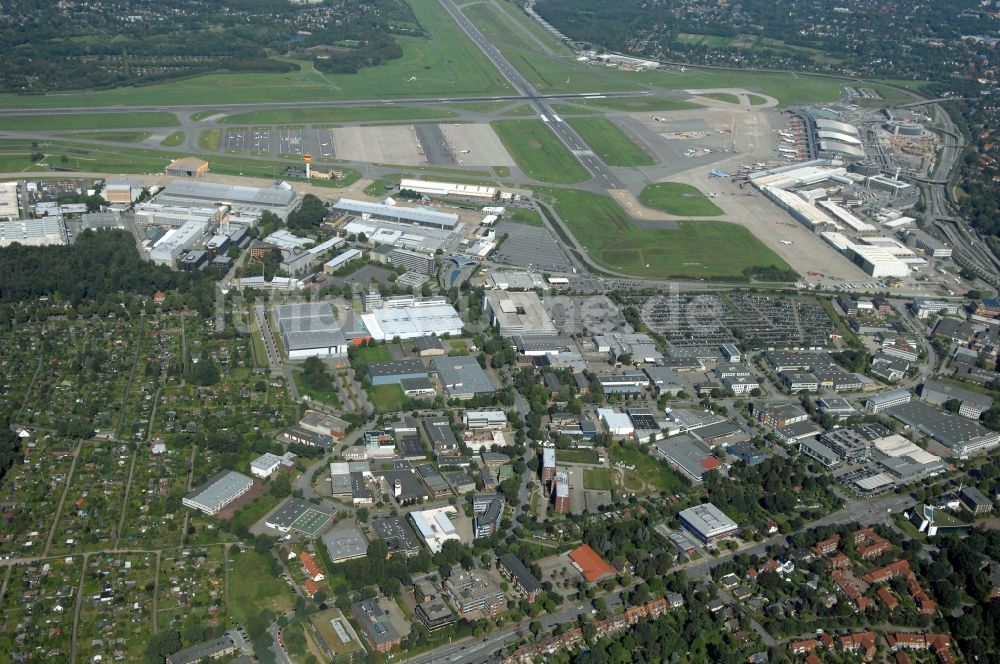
<point x="128" y="42"/>
<point x="98" y="264"/>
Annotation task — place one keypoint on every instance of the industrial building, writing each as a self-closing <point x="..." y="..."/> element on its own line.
<point x="560" y="493"/>
<point x="279" y="199"/>
<point x="958" y="433"/>
<point x="223" y="488"/>
<point x="9" y="208"/>
<point x="971" y="404"/>
<point x="310" y="330"/>
<point x="174" y="216"/>
<point x="341" y="259"/>
<point x="708" y="523"/>
<point x="413" y="322"/>
<point x="175" y="242"/>
<point x="462" y="377"/>
<point x="394" y="373"/>
<point x="690" y="456"/>
<point x="927" y="243"/>
<point x="187" y="167"/>
<point x="450" y="190"/>
<point x="33" y="232"/>
<point x="414" y="261"/>
<point x="125" y="192"/>
<point x="396" y="214"/>
<point x="518" y="314"/>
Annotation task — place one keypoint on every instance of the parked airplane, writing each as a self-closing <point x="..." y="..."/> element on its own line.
<point x="682" y="69"/>
<point x="718" y="174"/>
<point x="786" y="242"/>
<point x="712" y="194"/>
<point x="785" y="134"/>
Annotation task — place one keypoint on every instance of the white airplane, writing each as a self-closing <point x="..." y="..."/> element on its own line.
<point x="712" y="194"/>
<point x="682" y="69"/>
<point x="786" y="134"/>
<point x="466" y="151"/>
<point x="786" y="242"/>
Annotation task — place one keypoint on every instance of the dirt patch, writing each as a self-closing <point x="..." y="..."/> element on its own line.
<point x="258" y="489"/>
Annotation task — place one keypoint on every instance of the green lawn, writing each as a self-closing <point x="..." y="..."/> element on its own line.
<point x="255" y="511"/>
<point x="387" y="398"/>
<point x="538" y="152"/>
<point x="756" y="100"/>
<point x="86" y="121"/>
<point x="352" y="114"/>
<point x="637" y="104"/>
<point x="610" y="143"/>
<point x="328" y="395"/>
<point x="93" y="157"/>
<point x="678" y="199"/>
<point x="253" y="587"/>
<point x="368" y="354"/>
<point x="577" y="456"/>
<point x="521" y="111"/>
<point x="210" y="140"/>
<point x="597" y="479"/>
<point x="113" y="136"/>
<point x="727" y="97"/>
<point x="201" y="115"/>
<point x="648" y="472"/>
<point x="173" y="140"/>
<point x="523" y="216"/>
<point x="704" y="248"/>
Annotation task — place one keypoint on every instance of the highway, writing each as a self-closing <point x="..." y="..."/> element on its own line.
<point x="601" y="174"/>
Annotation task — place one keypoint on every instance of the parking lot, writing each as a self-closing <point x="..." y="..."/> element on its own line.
<point x="530" y="247"/>
<point x="235" y="140"/>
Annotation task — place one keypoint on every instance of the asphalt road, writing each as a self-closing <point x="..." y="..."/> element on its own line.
<point x="601" y="174"/>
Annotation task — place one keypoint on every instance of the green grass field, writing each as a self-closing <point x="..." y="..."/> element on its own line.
<point x="705" y="248"/>
<point x="756" y="100"/>
<point x="387" y="398"/>
<point x="267" y="591"/>
<point x="97" y="158"/>
<point x="596" y="479"/>
<point x="577" y="456"/>
<point x="610" y="143"/>
<point x="678" y="199"/>
<point x="173" y="140"/>
<point x="648" y="473"/>
<point x="368" y="354"/>
<point x="201" y="115"/>
<point x="447" y="63"/>
<point x="727" y="97"/>
<point x="636" y="104"/>
<point x="113" y="136"/>
<point x="210" y="140"/>
<point x="87" y="121"/>
<point x="521" y="111"/>
<point x="538" y="152"/>
<point x="523" y="216"/>
<point x="353" y="114"/>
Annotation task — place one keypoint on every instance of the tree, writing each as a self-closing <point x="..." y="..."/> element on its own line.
<point x="162" y="644"/>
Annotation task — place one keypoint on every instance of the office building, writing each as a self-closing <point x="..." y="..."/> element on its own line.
<point x="414" y="216"/>
<point x="381" y="634"/>
<point x="885" y="400"/>
<point x="708" y="523"/>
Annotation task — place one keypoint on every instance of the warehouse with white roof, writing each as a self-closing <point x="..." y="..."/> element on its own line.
<point x="450" y="189"/>
<point x="413" y="322"/>
<point x="310" y="329"/>
<point x="416" y="216"/>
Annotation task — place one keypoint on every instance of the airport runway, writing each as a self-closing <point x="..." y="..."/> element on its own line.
<point x="602" y="175"/>
<point x="226" y="109"/>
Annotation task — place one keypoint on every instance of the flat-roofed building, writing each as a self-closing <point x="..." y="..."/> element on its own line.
<point x="415" y="216"/>
<point x="340" y="479"/>
<point x="345" y="544"/>
<point x="397" y="535"/>
<point x="485" y="419"/>
<point x="885" y="400"/>
<point x="473" y="590"/>
<point x="814" y="449"/>
<point x="279" y="199"/>
<point x="33" y="232"/>
<point x="227" y="644"/>
<point x="518" y="314"/>
<point x="434" y="526"/>
<point x="971" y="404"/>
<point x="434" y="614"/>
<point x="462" y="377"/>
<point x="708" y="523"/>
<point x="381" y="634"/>
<point x="223" y="488"/>
<point x="688" y="455"/>
<point x="961" y="434"/>
<point x="412" y="322"/>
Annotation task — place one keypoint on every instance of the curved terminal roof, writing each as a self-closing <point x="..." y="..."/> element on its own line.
<point x="834" y="125"/>
<point x="838" y="136"/>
